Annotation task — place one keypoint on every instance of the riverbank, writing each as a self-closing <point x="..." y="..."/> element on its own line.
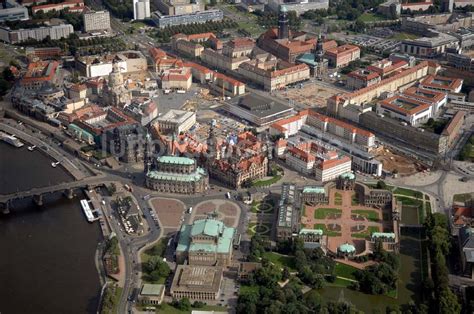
<point x="57" y="248"/>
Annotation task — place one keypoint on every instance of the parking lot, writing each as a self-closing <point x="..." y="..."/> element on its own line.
<point x="375" y="43"/>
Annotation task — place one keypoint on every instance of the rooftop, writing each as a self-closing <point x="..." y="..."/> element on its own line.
<point x="347" y="248"/>
<point x="152" y="289"/>
<point x="259" y="106"/>
<point x="197" y="278"/>
<point x="182" y="177"/>
<point x="313" y="189"/>
<point x="208" y="227"/>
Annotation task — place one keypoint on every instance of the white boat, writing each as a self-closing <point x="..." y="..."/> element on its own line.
<point x="54" y="164"/>
<point x="87" y="211"/>
<point x="11" y="139"/>
<point x="31" y="148"/>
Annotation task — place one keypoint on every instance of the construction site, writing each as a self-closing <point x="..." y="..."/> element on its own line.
<point x="402" y="165"/>
<point x="312" y="95"/>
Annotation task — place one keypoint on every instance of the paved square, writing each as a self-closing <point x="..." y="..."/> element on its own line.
<point x="169" y="212"/>
<point x="227" y="211"/>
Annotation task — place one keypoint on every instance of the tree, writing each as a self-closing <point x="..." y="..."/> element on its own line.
<point x="156" y="268"/>
<point x="184" y="304"/>
<point x="8" y="75"/>
<point x="112" y="188"/>
<point x="381" y="185"/>
<point x="313" y="301"/>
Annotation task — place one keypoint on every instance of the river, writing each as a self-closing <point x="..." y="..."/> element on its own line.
<point x="47" y="254"/>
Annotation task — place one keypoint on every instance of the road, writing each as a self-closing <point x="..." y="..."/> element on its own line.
<point x="131" y="245"/>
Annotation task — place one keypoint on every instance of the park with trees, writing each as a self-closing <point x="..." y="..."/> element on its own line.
<point x="289" y="271"/>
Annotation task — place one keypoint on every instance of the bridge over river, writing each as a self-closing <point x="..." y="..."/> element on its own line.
<point x="37" y="193"/>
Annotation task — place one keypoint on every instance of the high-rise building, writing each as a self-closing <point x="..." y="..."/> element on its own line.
<point x="96" y="21"/>
<point x="141" y="9"/>
<point x="283" y="23"/>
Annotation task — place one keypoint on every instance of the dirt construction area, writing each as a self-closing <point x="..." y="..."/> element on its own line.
<point x="404" y="165"/>
<point x="312" y="94"/>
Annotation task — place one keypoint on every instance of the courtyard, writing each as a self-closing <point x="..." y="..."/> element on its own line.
<point x="223" y="210"/>
<point x="343" y="220"/>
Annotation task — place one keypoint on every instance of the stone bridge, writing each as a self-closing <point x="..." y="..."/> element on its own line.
<point x="37" y="193"/>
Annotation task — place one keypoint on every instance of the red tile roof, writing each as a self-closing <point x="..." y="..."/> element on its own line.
<point x="455" y="121"/>
<point x="452" y="83"/>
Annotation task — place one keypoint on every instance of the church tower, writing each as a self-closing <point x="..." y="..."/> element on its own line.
<point x="283" y="23"/>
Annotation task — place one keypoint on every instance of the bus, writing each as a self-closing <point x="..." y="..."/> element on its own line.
<point x="227" y="195"/>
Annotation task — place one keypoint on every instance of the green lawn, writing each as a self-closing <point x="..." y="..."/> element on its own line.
<point x="253" y="225"/>
<point x="338" y="199"/>
<point x="118" y="294"/>
<point x="263" y="205"/>
<point x="366" y="233"/>
<point x="369" y="214"/>
<point x="322" y="213"/>
<point x="428" y="207"/>
<point x="339" y="282"/>
<point x="262" y="183"/>
<point x="408" y="192"/>
<point x="409" y="201"/>
<point x="248" y="289"/>
<point x="281" y="260"/>
<point x="355" y="199"/>
<point x="327" y="232"/>
<point x="370" y="17"/>
<point x="137" y="25"/>
<point x="343" y="270"/>
<point x="463" y="198"/>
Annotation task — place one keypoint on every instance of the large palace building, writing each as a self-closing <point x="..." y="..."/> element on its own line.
<point x="177" y="175"/>
<point x="206" y="242"/>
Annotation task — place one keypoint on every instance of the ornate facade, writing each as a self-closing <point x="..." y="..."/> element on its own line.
<point x="117" y="93"/>
<point x="207" y="242"/>
<point x="176" y="175"/>
<point x="238" y="160"/>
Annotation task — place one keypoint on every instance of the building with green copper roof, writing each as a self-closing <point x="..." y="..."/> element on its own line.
<point x="205" y="242"/>
<point x="176" y="160"/>
<point x="172" y="174"/>
<point x="346" y="249"/>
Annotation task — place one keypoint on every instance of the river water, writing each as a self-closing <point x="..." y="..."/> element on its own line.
<point x="47" y="254"/>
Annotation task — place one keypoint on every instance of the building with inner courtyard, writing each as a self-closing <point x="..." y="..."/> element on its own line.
<point x="344" y="217"/>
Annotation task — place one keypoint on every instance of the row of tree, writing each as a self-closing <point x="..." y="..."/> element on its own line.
<point x="119" y="8"/>
<point x="342" y="9"/>
<point x="7" y="79"/>
<point x="165" y="34"/>
<point x="270" y="19"/>
<point x="109" y="300"/>
<point x="466" y="151"/>
<point x="73" y="45"/>
<point x="442" y="299"/>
